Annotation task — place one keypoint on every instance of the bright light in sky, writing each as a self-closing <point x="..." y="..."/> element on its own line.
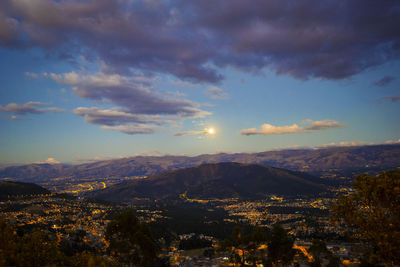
<point x="211" y="131"/>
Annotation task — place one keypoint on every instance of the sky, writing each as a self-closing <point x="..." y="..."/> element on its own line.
<point x="99" y="79"/>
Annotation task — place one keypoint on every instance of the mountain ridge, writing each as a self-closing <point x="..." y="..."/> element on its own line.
<point x="341" y="159"/>
<point x="9" y="189"/>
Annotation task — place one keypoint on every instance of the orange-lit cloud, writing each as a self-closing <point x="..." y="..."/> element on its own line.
<point x="49" y="161"/>
<point x="268" y="129"/>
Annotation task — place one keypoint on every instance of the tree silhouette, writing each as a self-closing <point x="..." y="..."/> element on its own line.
<point x="319" y="251"/>
<point x="280" y="247"/>
<point x="372" y="211"/>
<point x="37" y="249"/>
<point x="130" y="241"/>
<point x="257" y="237"/>
<point x="8" y="245"/>
<point x="238" y="242"/>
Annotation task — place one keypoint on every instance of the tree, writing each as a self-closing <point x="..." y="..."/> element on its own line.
<point x="36" y="248"/>
<point x="237" y="236"/>
<point x="130" y="241"/>
<point x="31" y="249"/>
<point x="8" y="245"/>
<point x="257" y="237"/>
<point x="319" y="251"/>
<point x="194" y="243"/>
<point x="238" y="241"/>
<point x="280" y="246"/>
<point x="372" y="212"/>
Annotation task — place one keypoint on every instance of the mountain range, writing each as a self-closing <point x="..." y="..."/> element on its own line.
<point x="341" y="160"/>
<point x="220" y="180"/>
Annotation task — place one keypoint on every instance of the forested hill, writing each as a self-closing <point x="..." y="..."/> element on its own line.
<point x="9" y="189"/>
<point x="220" y="180"/>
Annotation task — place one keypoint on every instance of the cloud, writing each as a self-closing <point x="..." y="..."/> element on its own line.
<point x="13" y="117"/>
<point x="126" y="93"/>
<point x="268" y="129"/>
<point x="384" y="81"/>
<point x="9" y="27"/>
<point x="32" y="75"/>
<point x="131" y="129"/>
<point x="112" y="117"/>
<point x="148" y="153"/>
<point x="71" y="78"/>
<point x="29" y="108"/>
<point x="182" y="84"/>
<point x="209" y="105"/>
<point x="393" y="98"/>
<point x="323" y="125"/>
<point x="192" y="39"/>
<point x="54" y="110"/>
<point x="123" y="34"/>
<point x="216" y="93"/>
<point x="138" y="106"/>
<point x="345" y="143"/>
<point x="191" y="133"/>
<point x="391" y="142"/>
<point x="199" y="133"/>
<point x="357" y="143"/>
<point x="49" y="161"/>
<point x="80" y="159"/>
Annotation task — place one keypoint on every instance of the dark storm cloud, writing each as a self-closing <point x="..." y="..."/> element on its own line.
<point x="303" y="38"/>
<point x="8" y="29"/>
<point x="136" y="34"/>
<point x="384" y="81"/>
<point x="28" y="108"/>
<point x="328" y="39"/>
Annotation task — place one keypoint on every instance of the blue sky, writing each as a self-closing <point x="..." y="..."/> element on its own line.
<point x="92" y="80"/>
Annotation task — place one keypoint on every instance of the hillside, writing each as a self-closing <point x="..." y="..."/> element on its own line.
<point x="17" y="188"/>
<point x="221" y="180"/>
<point x="342" y="160"/>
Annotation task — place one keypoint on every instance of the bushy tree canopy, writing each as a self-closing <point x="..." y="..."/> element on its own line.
<point x="131" y="241"/>
<point x="372" y="211"/>
<point x="280" y="246"/>
<point x="37" y="249"/>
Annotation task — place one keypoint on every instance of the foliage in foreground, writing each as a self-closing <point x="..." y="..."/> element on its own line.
<point x="130" y="241"/>
<point x="38" y="249"/>
<point x="247" y="248"/>
<point x="372" y="214"/>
